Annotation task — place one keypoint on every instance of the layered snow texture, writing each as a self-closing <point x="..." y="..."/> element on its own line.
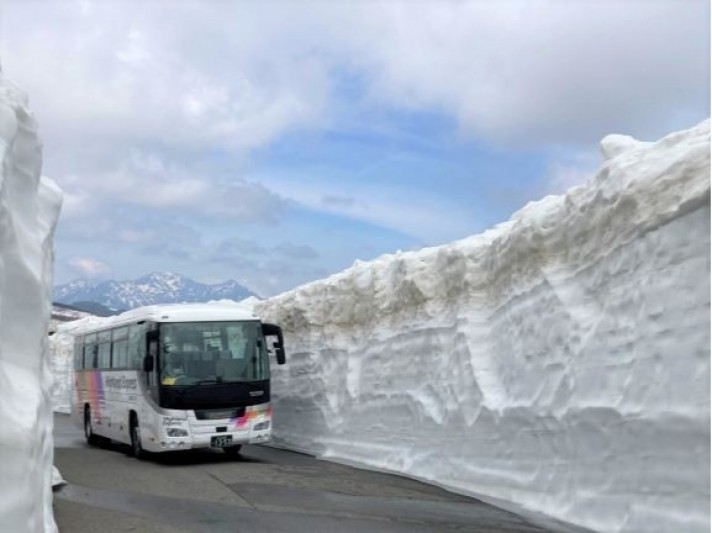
<point x="29" y="207"/>
<point x="558" y="362"/>
<point x="61" y="347"/>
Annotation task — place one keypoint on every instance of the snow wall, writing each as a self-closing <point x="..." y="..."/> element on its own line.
<point x="558" y="362"/>
<point x="61" y="346"/>
<point x="29" y="207"/>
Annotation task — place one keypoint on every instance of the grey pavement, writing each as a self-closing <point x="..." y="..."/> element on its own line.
<point x="262" y="490"/>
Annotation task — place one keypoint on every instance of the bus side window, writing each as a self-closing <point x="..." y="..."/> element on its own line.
<point x="119" y="350"/>
<point x="104" y="351"/>
<point x="137" y="346"/>
<point x="78" y="352"/>
<point x="119" y="354"/>
<point x="90" y="352"/>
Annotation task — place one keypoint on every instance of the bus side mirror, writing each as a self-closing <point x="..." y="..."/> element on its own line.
<point x="279" y="353"/>
<point x="148" y="364"/>
<point x="272" y="330"/>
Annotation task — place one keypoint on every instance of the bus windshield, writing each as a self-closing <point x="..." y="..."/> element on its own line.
<point x="194" y="353"/>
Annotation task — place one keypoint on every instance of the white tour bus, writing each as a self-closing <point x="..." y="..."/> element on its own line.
<point x="176" y="377"/>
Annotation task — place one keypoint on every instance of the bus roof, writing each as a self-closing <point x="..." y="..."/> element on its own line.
<point x="221" y="311"/>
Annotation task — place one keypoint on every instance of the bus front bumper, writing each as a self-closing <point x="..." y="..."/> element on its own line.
<point x="214" y="440"/>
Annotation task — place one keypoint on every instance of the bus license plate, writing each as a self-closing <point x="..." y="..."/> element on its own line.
<point x="223" y="441"/>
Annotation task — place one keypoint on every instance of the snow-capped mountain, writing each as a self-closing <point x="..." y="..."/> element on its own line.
<point x="155" y="288"/>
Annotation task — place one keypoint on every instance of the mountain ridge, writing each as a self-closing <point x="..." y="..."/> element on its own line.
<point x="153" y="288"/>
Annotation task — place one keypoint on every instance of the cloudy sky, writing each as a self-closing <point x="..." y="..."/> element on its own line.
<point x="275" y="143"/>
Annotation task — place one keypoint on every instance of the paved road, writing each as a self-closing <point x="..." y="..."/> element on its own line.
<point x="263" y="490"/>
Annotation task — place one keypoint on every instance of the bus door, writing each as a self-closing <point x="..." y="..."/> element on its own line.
<point x="150" y="366"/>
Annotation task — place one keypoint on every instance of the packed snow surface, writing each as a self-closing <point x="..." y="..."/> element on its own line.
<point x="558" y="362"/>
<point x="61" y="346"/>
<point x="29" y="207"/>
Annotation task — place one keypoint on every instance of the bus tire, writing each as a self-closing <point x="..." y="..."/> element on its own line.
<point x="92" y="438"/>
<point x="136" y="449"/>
<point x="233" y="450"/>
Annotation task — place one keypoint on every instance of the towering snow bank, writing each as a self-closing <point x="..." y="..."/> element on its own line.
<point x="559" y="361"/>
<point x="29" y="207"/>
<point x="61" y="347"/>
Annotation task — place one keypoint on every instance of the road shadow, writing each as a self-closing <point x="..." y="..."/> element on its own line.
<point x="183" y="457"/>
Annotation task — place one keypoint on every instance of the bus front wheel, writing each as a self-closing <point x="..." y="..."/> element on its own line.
<point x="91" y="437"/>
<point x="136" y="449"/>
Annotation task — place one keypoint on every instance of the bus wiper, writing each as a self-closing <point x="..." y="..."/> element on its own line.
<point x="219" y="381"/>
<point x="213" y="381"/>
<point x="249" y="382"/>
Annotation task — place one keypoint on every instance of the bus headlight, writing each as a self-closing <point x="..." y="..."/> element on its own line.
<point x="261" y="426"/>
<point x="176" y="432"/>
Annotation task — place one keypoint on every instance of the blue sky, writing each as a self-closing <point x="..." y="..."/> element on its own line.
<point x="275" y="143"/>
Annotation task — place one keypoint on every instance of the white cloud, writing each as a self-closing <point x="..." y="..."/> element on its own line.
<point x="567" y="171"/>
<point x="74" y="203"/>
<point x="131" y="236"/>
<point x="291" y="251"/>
<point x="107" y="77"/>
<point x="145" y="180"/>
<point x="135" y="98"/>
<point x="189" y="74"/>
<point x="424" y="215"/>
<point x="537" y="71"/>
<point x="89" y="267"/>
<point x="241" y="75"/>
<point x="266" y="270"/>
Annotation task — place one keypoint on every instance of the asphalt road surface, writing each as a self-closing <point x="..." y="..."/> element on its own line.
<point x="262" y="490"/>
